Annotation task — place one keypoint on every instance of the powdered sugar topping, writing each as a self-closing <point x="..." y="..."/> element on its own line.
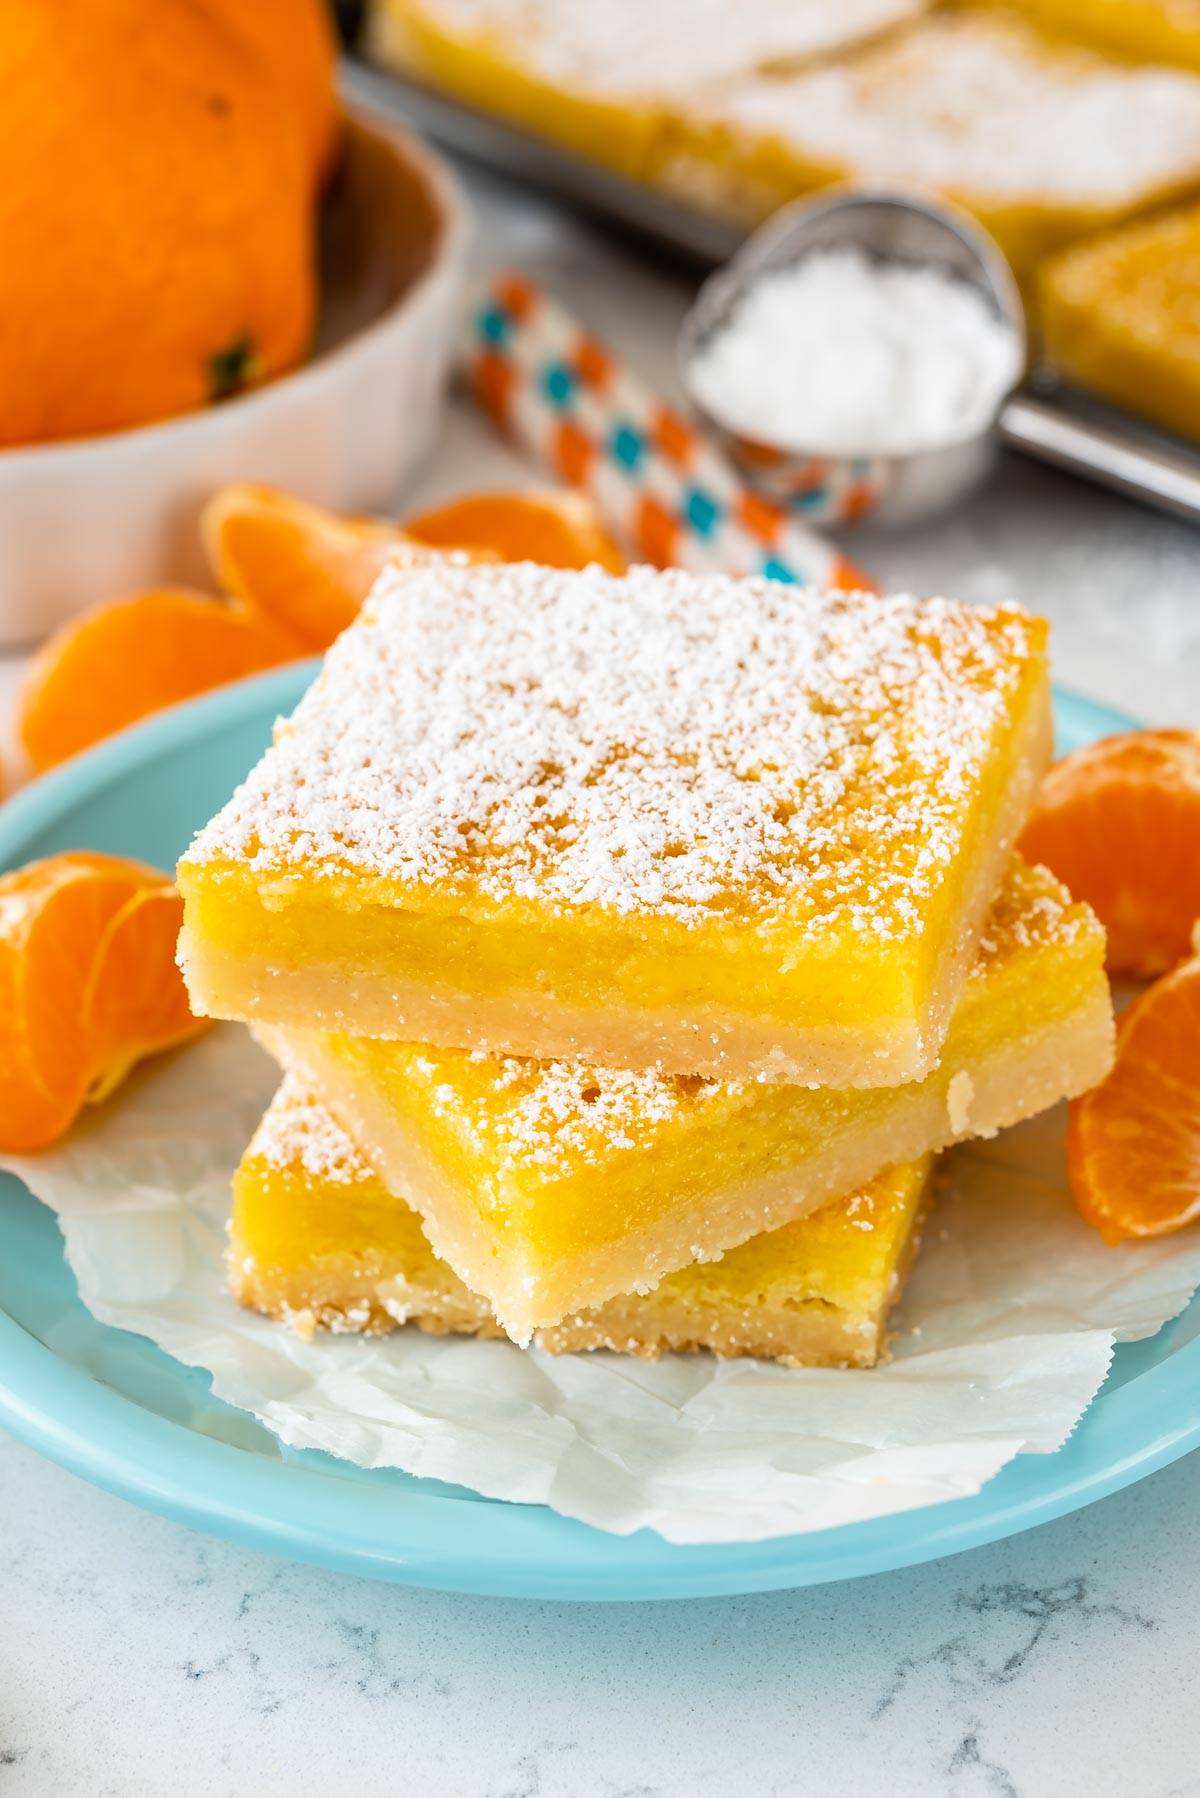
<point x="296" y="1134"/>
<point x="655" y="744"/>
<point x="558" y="1115"/>
<point x="984" y="107"/>
<point x="911" y="357"/>
<point x="628" y="48"/>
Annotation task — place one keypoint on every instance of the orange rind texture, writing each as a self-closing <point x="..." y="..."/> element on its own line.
<point x="297" y="41"/>
<point x="88" y="986"/>
<point x="157" y="210"/>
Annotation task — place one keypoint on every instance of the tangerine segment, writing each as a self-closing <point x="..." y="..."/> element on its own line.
<point x="135" y="1002"/>
<point x="54" y="915"/>
<point x="58" y="923"/>
<point x="560" y="529"/>
<point x="1133" y="1142"/>
<point x="304" y="568"/>
<point x="130" y="657"/>
<point x="1119" y="823"/>
<point x="310" y="570"/>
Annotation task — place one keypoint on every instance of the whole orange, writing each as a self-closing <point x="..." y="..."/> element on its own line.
<point x="156" y="215"/>
<point x="297" y="38"/>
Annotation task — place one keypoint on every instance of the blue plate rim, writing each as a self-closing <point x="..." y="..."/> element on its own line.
<point x="302" y="1511"/>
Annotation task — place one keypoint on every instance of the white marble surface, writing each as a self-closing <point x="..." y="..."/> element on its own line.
<point x="137" y="1658"/>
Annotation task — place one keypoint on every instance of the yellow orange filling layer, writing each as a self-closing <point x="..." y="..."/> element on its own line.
<point x="1161" y="31"/>
<point x="317" y="1239"/>
<point x="551" y="1186"/>
<point x="1120" y="316"/>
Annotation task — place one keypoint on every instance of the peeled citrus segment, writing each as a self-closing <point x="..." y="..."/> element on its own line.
<point x="52" y="916"/>
<point x="560" y="529"/>
<point x="1133" y="1142"/>
<point x="1119" y="823"/>
<point x="131" y="657"/>
<point x="304" y="568"/>
<point x="309" y="570"/>
<point x="135" y="1002"/>
<point x="68" y="942"/>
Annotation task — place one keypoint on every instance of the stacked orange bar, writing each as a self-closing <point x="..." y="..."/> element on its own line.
<point x="602" y="79"/>
<point x="736" y="111"/>
<point x="1119" y="316"/>
<point x="317" y="1238"/>
<point x="620" y="922"/>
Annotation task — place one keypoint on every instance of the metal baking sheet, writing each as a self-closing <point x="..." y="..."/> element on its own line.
<point x="575" y="179"/>
<point x="1053" y="424"/>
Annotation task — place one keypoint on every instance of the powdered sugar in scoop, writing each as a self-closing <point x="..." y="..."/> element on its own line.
<point x="842" y="354"/>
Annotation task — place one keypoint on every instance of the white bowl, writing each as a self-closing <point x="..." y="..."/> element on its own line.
<point x="95" y="518"/>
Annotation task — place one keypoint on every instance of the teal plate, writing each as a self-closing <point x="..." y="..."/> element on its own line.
<point x="111" y="1407"/>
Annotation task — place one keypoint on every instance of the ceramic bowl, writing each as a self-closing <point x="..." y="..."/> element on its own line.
<point x="91" y="519"/>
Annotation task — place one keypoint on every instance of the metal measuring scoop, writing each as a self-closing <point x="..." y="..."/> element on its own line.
<point x="895" y="225"/>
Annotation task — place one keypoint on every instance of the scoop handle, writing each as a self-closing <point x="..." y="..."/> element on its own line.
<point x="1163" y="477"/>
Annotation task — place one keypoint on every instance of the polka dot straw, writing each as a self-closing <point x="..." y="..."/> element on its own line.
<point x="661" y="486"/>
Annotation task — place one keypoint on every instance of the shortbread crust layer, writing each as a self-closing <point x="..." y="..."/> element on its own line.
<point x="317" y="1240"/>
<point x="550" y="1187"/>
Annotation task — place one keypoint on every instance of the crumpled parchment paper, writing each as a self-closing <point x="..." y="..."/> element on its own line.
<point x="1005" y="1335"/>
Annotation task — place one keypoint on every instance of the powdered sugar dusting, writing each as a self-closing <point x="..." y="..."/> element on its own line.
<point x="556" y="1115"/>
<point x="1031" y="910"/>
<point x="626" y="47"/>
<point x="297" y="1134"/>
<point x="984" y="107"/>
<point x="654" y="744"/>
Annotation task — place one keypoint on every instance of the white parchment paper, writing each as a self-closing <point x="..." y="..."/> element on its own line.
<point x="1006" y="1334"/>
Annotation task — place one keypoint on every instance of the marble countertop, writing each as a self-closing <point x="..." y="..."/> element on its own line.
<point x="139" y="1659"/>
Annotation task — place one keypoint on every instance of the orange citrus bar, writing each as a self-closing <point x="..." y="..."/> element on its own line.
<point x="1164" y="31"/>
<point x="317" y="1239"/>
<point x="1120" y="316"/>
<point x="552" y="1186"/>
<point x="716" y="826"/>
<point x="1043" y="142"/>
<point x="602" y="77"/>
